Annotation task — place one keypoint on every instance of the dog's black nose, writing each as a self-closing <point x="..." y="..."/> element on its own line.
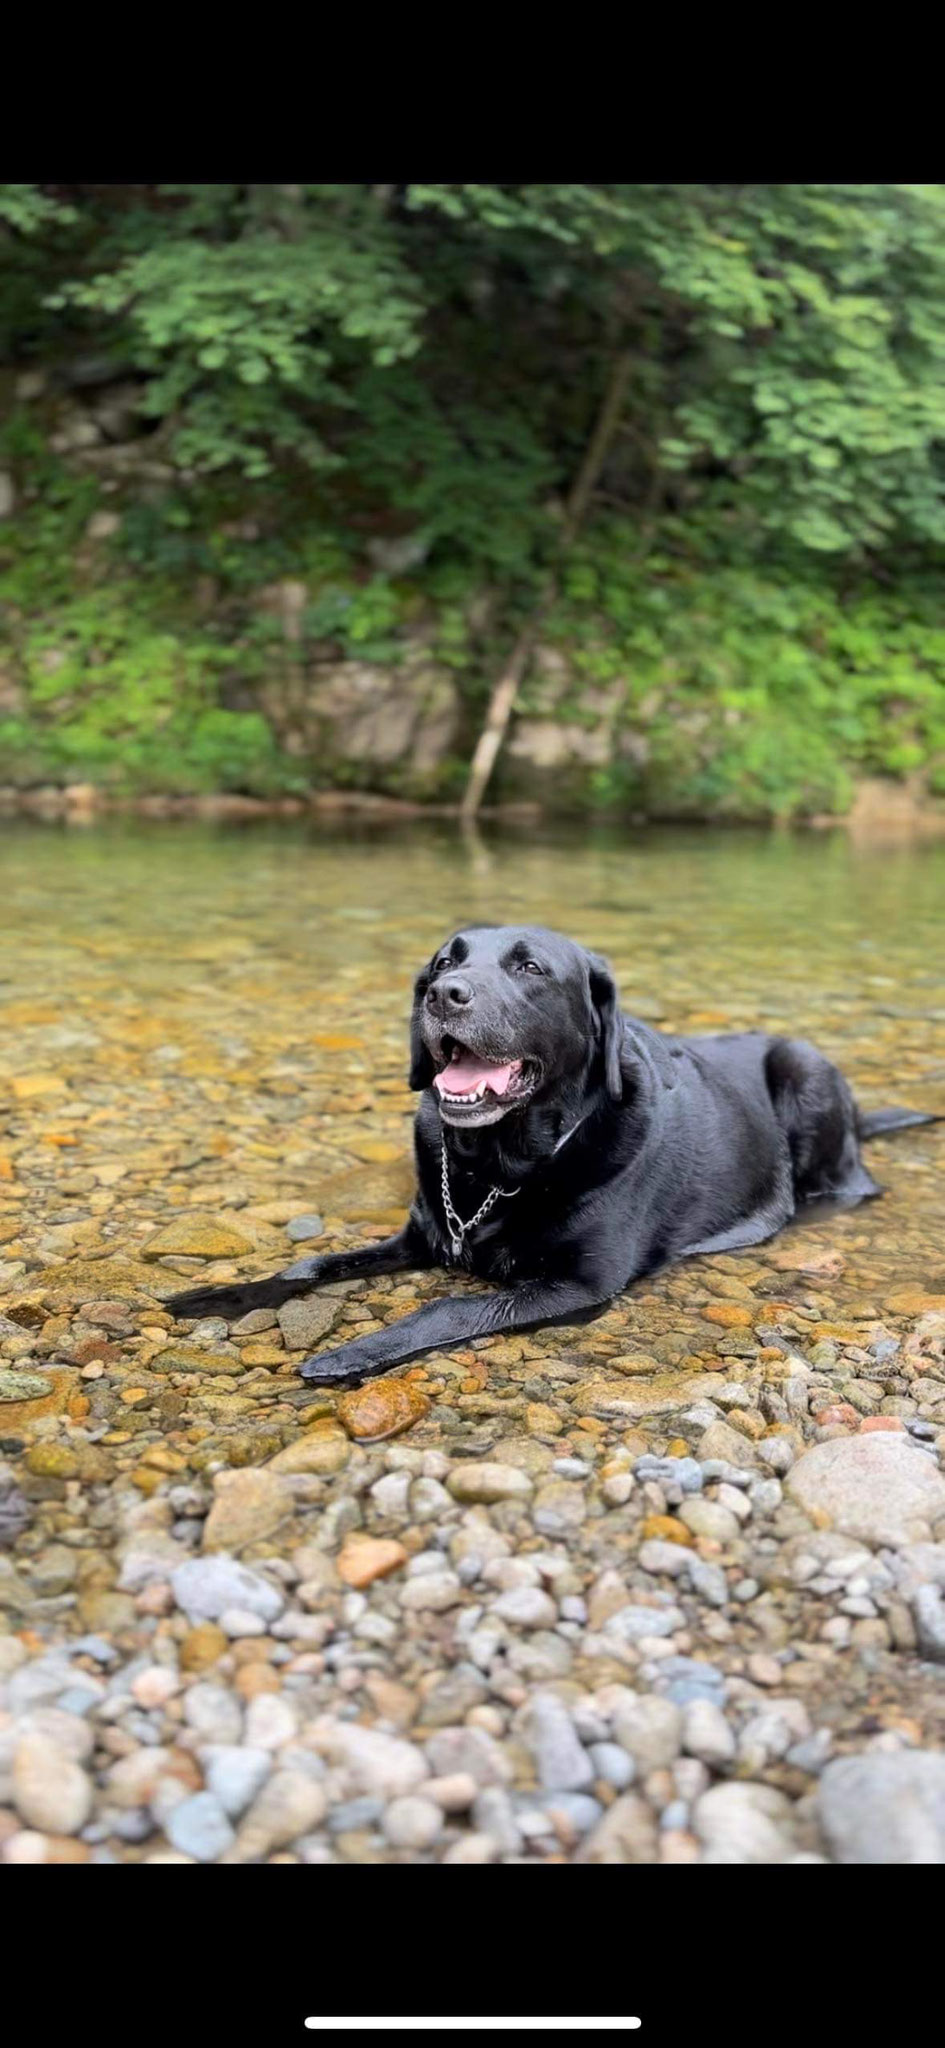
<point x="452" y="994"/>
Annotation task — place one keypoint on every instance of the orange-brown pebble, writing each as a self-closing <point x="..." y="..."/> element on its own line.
<point x="913" y="1301"/>
<point x="252" y="1679"/>
<point x="666" y="1529"/>
<point x="729" y="1314"/>
<point x="65" y="1849"/>
<point x="157" y="1598"/>
<point x="145" y="1478"/>
<point x="678" y="1846"/>
<point x="364" y="1558"/>
<point x="839" y="1411"/>
<point x="893" y="1422"/>
<point x="252" y="1650"/>
<point x="202" y="1646"/>
<point x="382" y="1408"/>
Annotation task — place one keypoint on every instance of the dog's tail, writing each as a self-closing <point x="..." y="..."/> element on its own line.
<point x="876" y="1123"/>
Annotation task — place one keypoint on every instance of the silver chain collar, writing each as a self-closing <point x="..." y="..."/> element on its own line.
<point x="458" y="1228"/>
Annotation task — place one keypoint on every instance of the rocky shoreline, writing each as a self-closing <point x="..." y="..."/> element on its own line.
<point x="880" y="813"/>
<point x="83" y="803"/>
<point x="688" y="1615"/>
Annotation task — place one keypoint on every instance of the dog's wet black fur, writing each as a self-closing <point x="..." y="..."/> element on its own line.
<point x="615" y="1148"/>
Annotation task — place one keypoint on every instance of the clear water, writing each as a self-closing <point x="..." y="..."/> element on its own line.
<point x="168" y="978"/>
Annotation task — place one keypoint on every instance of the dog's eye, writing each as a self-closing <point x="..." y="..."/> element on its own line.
<point x="440" y="966"/>
<point x="529" y="967"/>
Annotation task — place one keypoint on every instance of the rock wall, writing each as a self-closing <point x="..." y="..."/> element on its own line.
<point x="349" y="721"/>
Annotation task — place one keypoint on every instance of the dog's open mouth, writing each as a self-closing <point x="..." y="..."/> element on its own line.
<point x="474" y="1090"/>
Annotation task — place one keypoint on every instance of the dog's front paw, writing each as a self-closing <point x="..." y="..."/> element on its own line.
<point x="204" y="1301"/>
<point x="339" y="1368"/>
<point x="229" y="1302"/>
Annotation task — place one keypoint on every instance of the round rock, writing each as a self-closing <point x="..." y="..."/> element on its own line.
<point x="880" y="1489"/>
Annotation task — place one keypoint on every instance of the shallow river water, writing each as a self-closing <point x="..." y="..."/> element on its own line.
<point x="177" y="984"/>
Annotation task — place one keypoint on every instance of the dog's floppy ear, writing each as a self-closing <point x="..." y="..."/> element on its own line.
<point x="422" y="1068"/>
<point x="609" y="1020"/>
<point x="651" y="1049"/>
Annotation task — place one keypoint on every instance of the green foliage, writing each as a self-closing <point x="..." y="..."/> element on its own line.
<point x="240" y="312"/>
<point x="444" y="346"/>
<point x="111" y="698"/>
<point x="26" y="210"/>
<point x="113" y="686"/>
<point x="750" y="695"/>
<point x="323" y="368"/>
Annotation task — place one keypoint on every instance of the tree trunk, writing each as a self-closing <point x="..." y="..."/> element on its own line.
<point x="505" y="692"/>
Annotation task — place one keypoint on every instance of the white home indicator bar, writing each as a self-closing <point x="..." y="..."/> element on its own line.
<point x="470" y="2025"/>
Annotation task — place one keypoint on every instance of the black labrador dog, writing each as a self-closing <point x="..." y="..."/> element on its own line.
<point x="563" y="1150"/>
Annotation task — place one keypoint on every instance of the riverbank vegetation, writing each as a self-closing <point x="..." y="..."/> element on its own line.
<point x="290" y="473"/>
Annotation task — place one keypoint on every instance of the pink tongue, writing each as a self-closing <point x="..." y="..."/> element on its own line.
<point x="463" y="1075"/>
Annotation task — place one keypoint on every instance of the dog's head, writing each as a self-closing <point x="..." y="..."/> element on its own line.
<point x="505" y="1013"/>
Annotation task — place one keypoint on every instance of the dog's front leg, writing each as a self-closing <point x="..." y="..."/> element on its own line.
<point x="457" y="1320"/>
<point x="391" y="1255"/>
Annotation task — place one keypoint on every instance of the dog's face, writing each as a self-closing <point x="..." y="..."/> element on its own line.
<point x="503" y="1013"/>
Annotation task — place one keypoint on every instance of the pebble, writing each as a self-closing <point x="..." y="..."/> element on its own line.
<point x="710" y="1518"/>
<point x="472" y="1752"/>
<point x="635" y="1624"/>
<point x="706" y="1733"/>
<point x="625" y="1833"/>
<point x="743" y="1824"/>
<point x="489" y="1483"/>
<point x="271" y="1721"/>
<point x="494" y="1814"/>
<point x="382" y="1408"/>
<point x="307" y="1319"/>
<point x="928" y="1609"/>
<point x="526" y="1607"/>
<point x="234" y="1773"/>
<point x="650" y="1729"/>
<point x="473" y="1848"/>
<point x="577" y="1809"/>
<point x="51" y="1792"/>
<point x="199" y="1828"/>
<point x="362" y="1559"/>
<point x="289" y="1805"/>
<point x="375" y="1762"/>
<point x="412" y="1822"/>
<point x="663" y="1559"/>
<point x="708" y="1581"/>
<point x="880" y="1489"/>
<point x="248" y="1507"/>
<point x="238" y="1622"/>
<point x="885" y="1809"/>
<point x="612" y="1763"/>
<point x="155" y="1686"/>
<point x="433" y="1590"/>
<point x="548" y="1732"/>
<point x="685" y="1473"/>
<point x="454" y="1794"/>
<point x="428" y="1500"/>
<point x="301" y="1228"/>
<point x="206" y="1586"/>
